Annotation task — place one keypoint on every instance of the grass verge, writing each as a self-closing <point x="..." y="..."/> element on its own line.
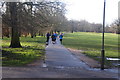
<point x="90" y="43"/>
<point x="32" y="49"/>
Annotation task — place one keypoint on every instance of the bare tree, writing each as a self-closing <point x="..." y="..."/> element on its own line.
<point x="115" y="27"/>
<point x="31" y="17"/>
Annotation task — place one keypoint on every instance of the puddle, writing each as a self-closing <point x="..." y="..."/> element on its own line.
<point x="61" y="67"/>
<point x="107" y="70"/>
<point x="44" y="65"/>
<point x="116" y="64"/>
<point x="112" y="70"/>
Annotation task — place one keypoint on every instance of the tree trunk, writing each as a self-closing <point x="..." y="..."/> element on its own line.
<point x="15" y="41"/>
<point x="32" y="34"/>
<point x="72" y="31"/>
<point x="39" y="33"/>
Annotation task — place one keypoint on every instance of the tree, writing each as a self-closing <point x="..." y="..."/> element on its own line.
<point x="115" y="27"/>
<point x="117" y="23"/>
<point x="107" y="29"/>
<point x="15" y="41"/>
<point x="30" y="17"/>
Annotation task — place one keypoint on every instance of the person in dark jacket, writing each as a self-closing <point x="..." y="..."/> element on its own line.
<point x="48" y="37"/>
<point x="53" y="38"/>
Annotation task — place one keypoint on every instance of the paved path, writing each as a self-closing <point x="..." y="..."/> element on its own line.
<point x="59" y="63"/>
<point x="58" y="56"/>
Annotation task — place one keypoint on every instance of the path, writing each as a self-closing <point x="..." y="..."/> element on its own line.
<point x="58" y="56"/>
<point x="59" y="63"/>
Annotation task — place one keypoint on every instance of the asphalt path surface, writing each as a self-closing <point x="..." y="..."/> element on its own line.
<point x="59" y="63"/>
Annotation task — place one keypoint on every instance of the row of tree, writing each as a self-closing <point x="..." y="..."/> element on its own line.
<point x="85" y="26"/>
<point x="31" y="18"/>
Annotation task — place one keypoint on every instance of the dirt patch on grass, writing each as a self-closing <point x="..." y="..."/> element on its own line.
<point x="89" y="61"/>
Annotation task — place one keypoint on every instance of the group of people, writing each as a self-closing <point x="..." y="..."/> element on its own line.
<point x="54" y="36"/>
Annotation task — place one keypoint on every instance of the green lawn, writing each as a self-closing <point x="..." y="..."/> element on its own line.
<point x="32" y="49"/>
<point x="90" y="43"/>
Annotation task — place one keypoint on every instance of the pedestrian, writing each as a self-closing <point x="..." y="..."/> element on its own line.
<point x="48" y="36"/>
<point x="53" y="38"/>
<point x="61" y="37"/>
<point x="55" y="34"/>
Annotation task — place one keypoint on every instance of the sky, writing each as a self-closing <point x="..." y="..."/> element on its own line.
<point x="91" y="10"/>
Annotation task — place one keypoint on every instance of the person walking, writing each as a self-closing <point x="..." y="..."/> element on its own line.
<point x="53" y="38"/>
<point x="61" y="37"/>
<point x="48" y="36"/>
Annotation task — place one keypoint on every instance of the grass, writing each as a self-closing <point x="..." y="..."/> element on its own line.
<point x="90" y="43"/>
<point x="32" y="49"/>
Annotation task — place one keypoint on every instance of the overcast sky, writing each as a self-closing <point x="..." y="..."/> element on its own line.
<point x="92" y="10"/>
